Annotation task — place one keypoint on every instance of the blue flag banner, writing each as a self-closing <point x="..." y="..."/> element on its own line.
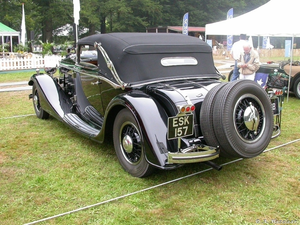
<point x="288" y="45"/>
<point x="265" y="40"/>
<point x="229" y="37"/>
<point x="261" y="79"/>
<point x="185" y="24"/>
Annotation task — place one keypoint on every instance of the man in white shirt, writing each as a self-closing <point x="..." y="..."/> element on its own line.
<point x="236" y="51"/>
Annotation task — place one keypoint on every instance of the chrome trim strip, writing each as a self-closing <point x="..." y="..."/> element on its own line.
<point x="179" y="61"/>
<point x="170" y="79"/>
<point x="110" y="65"/>
<point x="114" y="85"/>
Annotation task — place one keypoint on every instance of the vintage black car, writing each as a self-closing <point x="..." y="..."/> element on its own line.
<point x="294" y="70"/>
<point x="160" y="98"/>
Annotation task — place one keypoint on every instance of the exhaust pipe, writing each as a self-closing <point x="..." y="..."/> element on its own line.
<point x="213" y="165"/>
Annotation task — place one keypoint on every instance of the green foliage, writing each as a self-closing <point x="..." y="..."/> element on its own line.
<point x="47" y="48"/>
<point x="20" y="48"/>
<point x="64" y="47"/>
<point x="4" y="47"/>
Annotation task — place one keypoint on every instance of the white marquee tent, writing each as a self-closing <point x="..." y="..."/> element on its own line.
<point x="278" y="18"/>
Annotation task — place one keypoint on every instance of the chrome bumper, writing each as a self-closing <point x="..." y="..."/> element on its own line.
<point x="194" y="154"/>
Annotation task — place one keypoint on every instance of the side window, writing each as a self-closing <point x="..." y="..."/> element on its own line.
<point x="88" y="54"/>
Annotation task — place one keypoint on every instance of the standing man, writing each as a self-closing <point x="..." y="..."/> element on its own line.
<point x="249" y="62"/>
<point x="236" y="51"/>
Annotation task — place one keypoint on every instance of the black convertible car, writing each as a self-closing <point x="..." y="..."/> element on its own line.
<point x="160" y="98"/>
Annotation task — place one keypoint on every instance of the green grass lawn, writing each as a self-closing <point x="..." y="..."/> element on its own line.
<point x="47" y="169"/>
<point x="15" y="76"/>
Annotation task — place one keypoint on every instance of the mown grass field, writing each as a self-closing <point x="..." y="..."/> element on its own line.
<point x="46" y="169"/>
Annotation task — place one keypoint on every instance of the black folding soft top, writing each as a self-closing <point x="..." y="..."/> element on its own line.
<point x="140" y="57"/>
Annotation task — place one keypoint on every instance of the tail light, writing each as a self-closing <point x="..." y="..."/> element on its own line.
<point x="186" y="108"/>
<point x="278" y="92"/>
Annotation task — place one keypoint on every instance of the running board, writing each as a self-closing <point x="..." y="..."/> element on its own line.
<point x="79" y="125"/>
<point x="92" y="114"/>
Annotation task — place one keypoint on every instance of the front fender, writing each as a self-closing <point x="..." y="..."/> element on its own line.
<point x="51" y="98"/>
<point x="152" y="121"/>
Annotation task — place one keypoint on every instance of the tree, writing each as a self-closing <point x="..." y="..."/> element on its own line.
<point x="91" y="15"/>
<point x="44" y="16"/>
<point x="54" y="13"/>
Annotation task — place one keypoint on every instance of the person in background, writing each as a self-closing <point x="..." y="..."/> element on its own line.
<point x="249" y="62"/>
<point x="236" y="50"/>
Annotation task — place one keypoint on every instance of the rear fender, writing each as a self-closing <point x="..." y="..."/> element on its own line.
<point x="152" y="121"/>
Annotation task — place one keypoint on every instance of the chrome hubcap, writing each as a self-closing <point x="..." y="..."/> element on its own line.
<point x="127" y="143"/>
<point x="251" y="118"/>
<point x="130" y="143"/>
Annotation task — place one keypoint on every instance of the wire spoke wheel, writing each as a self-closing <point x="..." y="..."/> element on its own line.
<point x="39" y="111"/>
<point x="249" y="118"/>
<point x="130" y="142"/>
<point x="129" y="145"/>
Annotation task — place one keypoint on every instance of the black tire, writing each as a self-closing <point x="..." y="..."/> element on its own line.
<point x="206" y="116"/>
<point x="131" y="154"/>
<point x="39" y="111"/>
<point x="243" y="119"/>
<point x="296" y="87"/>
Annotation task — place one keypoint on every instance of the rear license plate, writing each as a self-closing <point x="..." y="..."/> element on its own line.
<point x="180" y="126"/>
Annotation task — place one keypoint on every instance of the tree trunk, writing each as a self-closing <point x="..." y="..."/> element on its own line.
<point x="47" y="31"/>
<point x="103" y="25"/>
<point x="92" y="29"/>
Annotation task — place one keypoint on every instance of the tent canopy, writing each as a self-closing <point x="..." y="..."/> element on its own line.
<point x="7" y="34"/>
<point x="7" y="31"/>
<point x="275" y="18"/>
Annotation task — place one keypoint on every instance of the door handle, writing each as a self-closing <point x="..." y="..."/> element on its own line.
<point x="96" y="83"/>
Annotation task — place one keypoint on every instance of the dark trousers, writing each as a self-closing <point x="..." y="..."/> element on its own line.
<point x="236" y="73"/>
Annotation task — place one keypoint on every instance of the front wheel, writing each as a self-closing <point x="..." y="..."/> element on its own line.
<point x="39" y="111"/>
<point x="128" y="144"/>
<point x="296" y="87"/>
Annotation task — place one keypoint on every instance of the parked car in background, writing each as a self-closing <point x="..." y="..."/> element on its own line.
<point x="295" y="75"/>
<point x="279" y="75"/>
<point x="160" y="98"/>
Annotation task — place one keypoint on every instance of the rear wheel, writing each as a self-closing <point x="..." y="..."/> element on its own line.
<point x="128" y="144"/>
<point x="39" y="111"/>
<point x="296" y="87"/>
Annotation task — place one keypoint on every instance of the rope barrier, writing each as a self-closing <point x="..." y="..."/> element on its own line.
<point x="13" y="117"/>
